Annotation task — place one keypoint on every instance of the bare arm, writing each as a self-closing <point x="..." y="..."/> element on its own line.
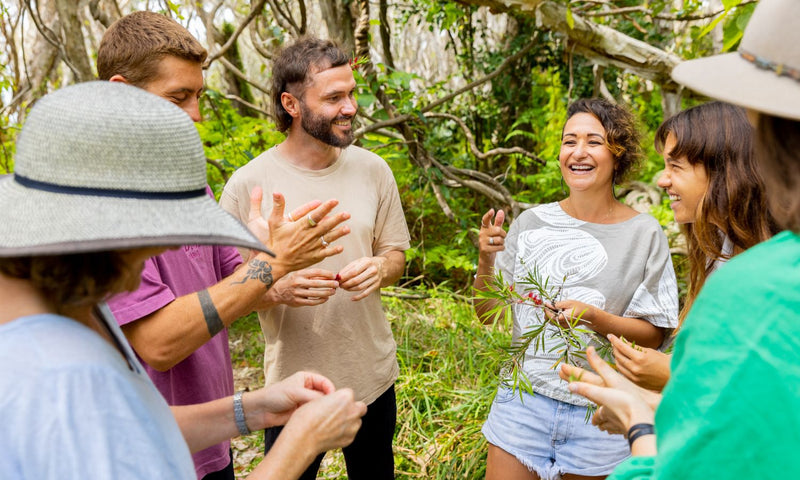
<point x="636" y="330"/>
<point x="317" y="418"/>
<point x="491" y="227"/>
<point x="172" y="333"/>
<point x="169" y="335"/>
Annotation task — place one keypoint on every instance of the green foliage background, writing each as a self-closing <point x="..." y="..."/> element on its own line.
<point x="449" y="362"/>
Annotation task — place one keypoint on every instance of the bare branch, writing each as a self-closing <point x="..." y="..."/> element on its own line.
<point x="100" y="14"/>
<point x="257" y="40"/>
<point x="500" y="195"/>
<point x="254" y="11"/>
<point x="648" y="12"/>
<point x="386" y="34"/>
<point x="218" y="166"/>
<point x="437" y="193"/>
<point x="74" y="48"/>
<point x="614" y="11"/>
<point x="242" y="76"/>
<point x="690" y="18"/>
<point x="506" y="63"/>
<point x="406" y="117"/>
<point x="395" y="293"/>
<point x="285" y="18"/>
<point x="600" y="44"/>
<point x="244" y="102"/>
<point x="474" y="148"/>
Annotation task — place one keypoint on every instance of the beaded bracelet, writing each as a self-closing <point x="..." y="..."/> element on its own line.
<point x="639" y="430"/>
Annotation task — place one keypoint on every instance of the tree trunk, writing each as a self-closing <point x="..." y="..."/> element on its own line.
<point x="341" y="21"/>
<point x="598" y="43"/>
<point x="74" y="46"/>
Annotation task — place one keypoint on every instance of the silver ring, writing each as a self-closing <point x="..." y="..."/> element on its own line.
<point x="484" y="226"/>
<point x="491" y="240"/>
<point x="324" y="243"/>
<point x="289" y="216"/>
<point x="311" y="221"/>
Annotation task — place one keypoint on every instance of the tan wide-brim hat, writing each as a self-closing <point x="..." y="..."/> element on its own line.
<point x="106" y="166"/>
<point x="764" y="75"/>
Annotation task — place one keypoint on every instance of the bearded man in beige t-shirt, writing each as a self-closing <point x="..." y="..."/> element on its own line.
<point x="328" y="318"/>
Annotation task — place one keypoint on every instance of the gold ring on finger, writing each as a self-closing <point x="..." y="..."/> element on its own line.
<point x="311" y="221"/>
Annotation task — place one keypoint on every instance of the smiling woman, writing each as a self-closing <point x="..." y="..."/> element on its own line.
<point x="610" y="266"/>
<point x="715" y="187"/>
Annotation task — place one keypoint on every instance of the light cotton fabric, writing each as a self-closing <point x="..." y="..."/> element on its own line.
<point x="206" y="374"/>
<point x="623" y="268"/>
<point x="349" y="342"/>
<point x="730" y="407"/>
<point x="72" y="407"/>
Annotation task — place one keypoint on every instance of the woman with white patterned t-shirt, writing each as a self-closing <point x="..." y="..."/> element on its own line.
<point x="617" y="279"/>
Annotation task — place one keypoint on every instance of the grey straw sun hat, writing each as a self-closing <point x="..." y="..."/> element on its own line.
<point x="764" y="75"/>
<point x="106" y="166"/>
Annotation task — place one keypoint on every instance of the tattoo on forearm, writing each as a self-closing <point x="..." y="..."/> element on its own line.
<point x="258" y="270"/>
<point x="210" y="313"/>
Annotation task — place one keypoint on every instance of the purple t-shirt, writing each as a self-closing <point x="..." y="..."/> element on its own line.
<point x="206" y="374"/>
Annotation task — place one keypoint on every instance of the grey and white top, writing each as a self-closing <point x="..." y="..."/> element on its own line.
<point x="727" y="252"/>
<point x="623" y="268"/>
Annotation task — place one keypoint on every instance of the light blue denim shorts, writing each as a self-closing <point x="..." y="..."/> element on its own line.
<point x="551" y="437"/>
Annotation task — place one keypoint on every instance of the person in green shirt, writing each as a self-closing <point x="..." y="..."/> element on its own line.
<point x="729" y="409"/>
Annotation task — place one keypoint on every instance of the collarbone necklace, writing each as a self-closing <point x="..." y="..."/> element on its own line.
<point x="567" y="206"/>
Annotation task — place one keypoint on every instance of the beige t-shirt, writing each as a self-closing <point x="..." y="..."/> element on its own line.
<point x="349" y="342"/>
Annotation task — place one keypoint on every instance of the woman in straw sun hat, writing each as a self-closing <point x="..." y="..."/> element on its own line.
<point x="730" y="408"/>
<point x="107" y="175"/>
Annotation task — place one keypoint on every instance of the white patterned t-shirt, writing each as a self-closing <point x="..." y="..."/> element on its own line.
<point x="624" y="269"/>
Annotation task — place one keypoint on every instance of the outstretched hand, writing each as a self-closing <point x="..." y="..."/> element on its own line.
<point x="623" y="403"/>
<point x="304" y="237"/>
<point x="491" y="236"/>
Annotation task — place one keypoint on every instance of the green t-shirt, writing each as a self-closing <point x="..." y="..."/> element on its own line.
<point x="732" y="406"/>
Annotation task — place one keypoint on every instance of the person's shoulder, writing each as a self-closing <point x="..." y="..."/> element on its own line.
<point x="365" y="158"/>
<point x="644" y="221"/>
<point x="547" y="213"/>
<point x="243" y="173"/>
<point x="775" y="260"/>
<point x="53" y="342"/>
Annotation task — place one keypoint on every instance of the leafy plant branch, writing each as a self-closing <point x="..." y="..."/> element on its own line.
<point x="537" y="292"/>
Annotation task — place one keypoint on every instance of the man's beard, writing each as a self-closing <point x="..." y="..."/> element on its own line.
<point x="321" y="128"/>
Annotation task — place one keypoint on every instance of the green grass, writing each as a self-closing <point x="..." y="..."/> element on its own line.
<point x="448" y="375"/>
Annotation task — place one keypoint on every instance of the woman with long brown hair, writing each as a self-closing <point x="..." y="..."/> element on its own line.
<point x="730" y="408"/>
<point x="717" y="195"/>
